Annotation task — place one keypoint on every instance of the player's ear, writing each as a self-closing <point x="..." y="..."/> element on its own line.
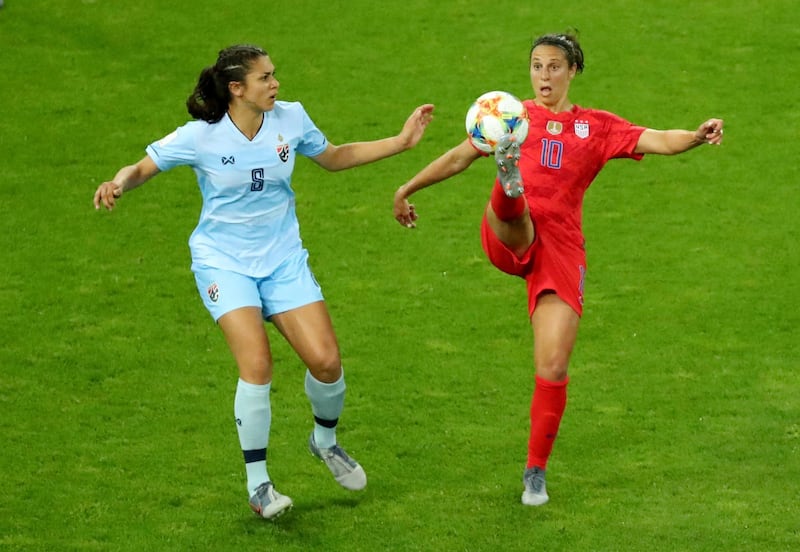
<point x="236" y="88"/>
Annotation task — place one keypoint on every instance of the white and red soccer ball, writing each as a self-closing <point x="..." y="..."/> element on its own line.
<point x="491" y="116"/>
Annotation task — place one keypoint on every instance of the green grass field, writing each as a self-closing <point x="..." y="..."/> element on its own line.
<point x="116" y="390"/>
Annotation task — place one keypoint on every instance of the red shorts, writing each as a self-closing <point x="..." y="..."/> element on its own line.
<point x="545" y="266"/>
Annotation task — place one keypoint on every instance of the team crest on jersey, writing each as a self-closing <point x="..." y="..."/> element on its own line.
<point x="582" y="129"/>
<point x="213" y="292"/>
<point x="283" y="152"/>
<point x="554" y="127"/>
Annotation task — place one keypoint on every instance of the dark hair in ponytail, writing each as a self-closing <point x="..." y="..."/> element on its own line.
<point x="568" y="42"/>
<point x="210" y="98"/>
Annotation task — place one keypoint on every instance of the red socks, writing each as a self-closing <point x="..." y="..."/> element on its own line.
<point x="547" y="407"/>
<point x="506" y="208"/>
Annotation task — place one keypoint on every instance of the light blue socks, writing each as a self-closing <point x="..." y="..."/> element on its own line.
<point x="327" y="403"/>
<point x="253" y="414"/>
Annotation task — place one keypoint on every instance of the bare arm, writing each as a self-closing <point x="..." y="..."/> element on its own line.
<point x="449" y="164"/>
<point x="337" y="158"/>
<point x="127" y="178"/>
<point x="671" y="142"/>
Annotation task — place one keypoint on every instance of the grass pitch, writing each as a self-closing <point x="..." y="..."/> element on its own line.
<point x="682" y="430"/>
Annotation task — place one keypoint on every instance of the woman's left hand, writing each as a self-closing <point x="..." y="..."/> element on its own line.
<point x="710" y="132"/>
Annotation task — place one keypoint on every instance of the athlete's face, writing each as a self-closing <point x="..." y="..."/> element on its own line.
<point x="260" y="88"/>
<point x="551" y="74"/>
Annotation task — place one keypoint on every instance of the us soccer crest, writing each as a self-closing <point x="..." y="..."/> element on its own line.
<point x="582" y="129"/>
<point x="213" y="292"/>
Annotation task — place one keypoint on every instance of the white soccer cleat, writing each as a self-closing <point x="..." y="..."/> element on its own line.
<point x="347" y="472"/>
<point x="506" y="157"/>
<point x="535" y="493"/>
<point x="269" y="503"/>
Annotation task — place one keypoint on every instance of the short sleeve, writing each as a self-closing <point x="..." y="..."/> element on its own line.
<point x="175" y="149"/>
<point x="312" y="141"/>
<point x="622" y="137"/>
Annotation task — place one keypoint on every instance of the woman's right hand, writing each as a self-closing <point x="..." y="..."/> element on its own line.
<point x="107" y="194"/>
<point x="404" y="212"/>
<point x="126" y="178"/>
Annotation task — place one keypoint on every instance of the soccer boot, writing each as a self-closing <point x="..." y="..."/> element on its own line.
<point x="347" y="472"/>
<point x="269" y="503"/>
<point x="506" y="156"/>
<point x="535" y="493"/>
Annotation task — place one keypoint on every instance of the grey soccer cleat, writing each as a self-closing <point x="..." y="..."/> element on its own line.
<point x="506" y="156"/>
<point x="269" y="503"/>
<point x="347" y="472"/>
<point x="535" y="493"/>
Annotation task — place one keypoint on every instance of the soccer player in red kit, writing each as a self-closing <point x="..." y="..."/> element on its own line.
<point x="532" y="224"/>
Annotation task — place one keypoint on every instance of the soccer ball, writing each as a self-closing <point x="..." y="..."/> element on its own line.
<point x="491" y="116"/>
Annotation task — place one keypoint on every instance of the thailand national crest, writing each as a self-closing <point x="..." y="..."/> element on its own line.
<point x="283" y="152"/>
<point x="213" y="292"/>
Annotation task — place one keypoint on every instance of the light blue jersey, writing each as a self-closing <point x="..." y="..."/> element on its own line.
<point x="248" y="223"/>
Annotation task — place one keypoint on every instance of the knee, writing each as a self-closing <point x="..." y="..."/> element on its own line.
<point x="553" y="368"/>
<point x="256" y="369"/>
<point x="325" y="365"/>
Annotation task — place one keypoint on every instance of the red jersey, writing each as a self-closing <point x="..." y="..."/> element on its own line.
<point x="561" y="157"/>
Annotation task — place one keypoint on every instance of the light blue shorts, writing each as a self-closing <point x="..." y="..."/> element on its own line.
<point x="290" y="286"/>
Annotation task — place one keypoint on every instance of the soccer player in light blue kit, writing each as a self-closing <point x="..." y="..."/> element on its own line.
<point x="247" y="256"/>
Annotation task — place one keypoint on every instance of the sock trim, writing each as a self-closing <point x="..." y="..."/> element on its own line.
<point x="330" y="424"/>
<point x="255" y="455"/>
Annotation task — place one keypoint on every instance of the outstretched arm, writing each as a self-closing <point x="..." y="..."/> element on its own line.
<point x="127" y="178"/>
<point x="337" y="158"/>
<point x="451" y="163"/>
<point x="671" y="142"/>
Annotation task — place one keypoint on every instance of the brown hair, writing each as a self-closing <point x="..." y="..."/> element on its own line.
<point x="210" y="98"/>
<point x="566" y="41"/>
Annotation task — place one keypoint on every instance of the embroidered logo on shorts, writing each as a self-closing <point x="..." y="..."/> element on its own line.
<point x="582" y="129"/>
<point x="554" y="127"/>
<point x="213" y="292"/>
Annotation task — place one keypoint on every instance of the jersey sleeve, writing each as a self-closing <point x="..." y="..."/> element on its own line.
<point x="622" y="137"/>
<point x="175" y="149"/>
<point x="312" y="141"/>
